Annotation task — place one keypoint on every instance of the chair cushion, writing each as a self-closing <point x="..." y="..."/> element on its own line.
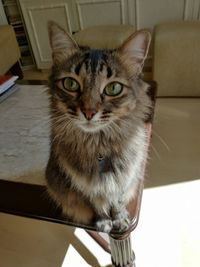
<point x="174" y="155"/>
<point x="177" y="58"/>
<point x="109" y="37"/>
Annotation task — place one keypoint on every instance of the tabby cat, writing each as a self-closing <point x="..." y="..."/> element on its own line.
<point x="98" y="137"/>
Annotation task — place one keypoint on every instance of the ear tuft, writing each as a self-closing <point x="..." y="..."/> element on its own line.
<point x="60" y="41"/>
<point x="136" y="46"/>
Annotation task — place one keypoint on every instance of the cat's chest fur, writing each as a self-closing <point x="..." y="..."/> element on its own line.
<point x="99" y="164"/>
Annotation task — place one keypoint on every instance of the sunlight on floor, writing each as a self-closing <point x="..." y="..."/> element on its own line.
<point x="73" y="258"/>
<point x="168" y="231"/>
<point x="89" y="251"/>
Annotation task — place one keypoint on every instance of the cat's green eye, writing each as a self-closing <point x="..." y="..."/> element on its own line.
<point x="70" y="84"/>
<point x="113" y="89"/>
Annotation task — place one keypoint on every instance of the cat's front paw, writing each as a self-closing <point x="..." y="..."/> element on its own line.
<point x="104" y="225"/>
<point x="121" y="222"/>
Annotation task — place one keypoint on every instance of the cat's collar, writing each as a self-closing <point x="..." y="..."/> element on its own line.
<point x="100" y="157"/>
<point x="102" y="163"/>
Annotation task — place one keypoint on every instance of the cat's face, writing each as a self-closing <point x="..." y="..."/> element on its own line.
<point x="95" y="88"/>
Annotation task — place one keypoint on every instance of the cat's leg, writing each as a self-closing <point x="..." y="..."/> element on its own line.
<point x="77" y="208"/>
<point x="120" y="217"/>
<point x="102" y="209"/>
<point x="104" y="225"/>
<point x="111" y="216"/>
<point x="74" y="206"/>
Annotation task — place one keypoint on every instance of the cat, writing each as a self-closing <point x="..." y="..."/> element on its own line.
<point x="98" y="139"/>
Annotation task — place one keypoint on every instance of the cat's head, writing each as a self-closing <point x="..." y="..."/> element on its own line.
<point x="95" y="88"/>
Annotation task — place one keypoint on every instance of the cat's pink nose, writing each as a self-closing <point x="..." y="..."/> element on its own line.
<point x="89" y="113"/>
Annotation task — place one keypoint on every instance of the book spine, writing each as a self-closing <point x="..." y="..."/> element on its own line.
<point x="7" y="84"/>
<point x="6" y="94"/>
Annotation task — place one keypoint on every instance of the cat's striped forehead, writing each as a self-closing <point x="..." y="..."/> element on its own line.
<point x="93" y="61"/>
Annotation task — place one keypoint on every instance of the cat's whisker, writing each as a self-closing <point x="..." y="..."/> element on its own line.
<point x="61" y="131"/>
<point x="112" y="128"/>
<point x="123" y="124"/>
<point x="46" y="120"/>
<point x="161" y="140"/>
<point x="62" y="126"/>
<point x="116" y="126"/>
<point x="155" y="151"/>
<point x="61" y="123"/>
<point x="63" y="118"/>
<point x="105" y="116"/>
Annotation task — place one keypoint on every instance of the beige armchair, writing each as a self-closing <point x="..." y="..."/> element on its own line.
<point x="177" y="123"/>
<point x="9" y="51"/>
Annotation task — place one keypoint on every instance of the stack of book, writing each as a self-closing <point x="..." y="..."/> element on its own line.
<point x="7" y="86"/>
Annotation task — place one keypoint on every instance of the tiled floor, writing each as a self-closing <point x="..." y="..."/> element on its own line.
<point x="168" y="231"/>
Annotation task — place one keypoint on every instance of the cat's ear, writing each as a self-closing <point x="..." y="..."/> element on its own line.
<point x="62" y="44"/>
<point x="135" y="48"/>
